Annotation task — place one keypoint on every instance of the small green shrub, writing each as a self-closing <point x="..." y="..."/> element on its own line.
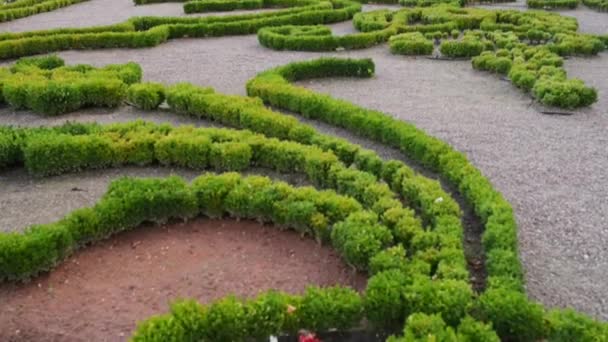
<point x="471" y="330"/>
<point x="384" y="299"/>
<point x="146" y="96"/>
<point x="511" y="314"/>
<point x="332" y="307"/>
<point x="569" y="325"/>
<point x="413" y="43"/>
<point x="359" y="238"/>
<point x="230" y="156"/>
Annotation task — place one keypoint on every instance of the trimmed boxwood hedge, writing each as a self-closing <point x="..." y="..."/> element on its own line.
<point x="598" y="5"/>
<point x="46" y="86"/>
<point x="519" y="33"/>
<point x="273" y="87"/>
<point x="413" y="43"/>
<point x="552" y="4"/>
<point x="140" y="32"/>
<point x="146" y="96"/>
<point x="54" y="151"/>
<point x="25" y="8"/>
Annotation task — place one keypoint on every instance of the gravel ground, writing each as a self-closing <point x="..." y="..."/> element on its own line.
<point x="551" y="168"/>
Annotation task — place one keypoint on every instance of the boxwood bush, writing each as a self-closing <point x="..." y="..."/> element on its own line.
<point x="46" y="86"/>
<point x="25" y="8"/>
<point x="413" y="43"/>
<point x="146" y="96"/>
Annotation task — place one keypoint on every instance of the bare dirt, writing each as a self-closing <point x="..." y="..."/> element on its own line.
<point x="100" y="292"/>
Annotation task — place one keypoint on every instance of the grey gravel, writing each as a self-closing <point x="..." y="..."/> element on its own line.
<point x="551" y="168"/>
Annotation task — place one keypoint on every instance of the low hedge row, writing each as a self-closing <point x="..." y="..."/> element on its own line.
<point x="443" y="215"/>
<point x="499" y="239"/>
<point x="26" y="8"/>
<point x="413" y="43"/>
<point x="198" y="6"/>
<point x="471" y="44"/>
<point x="541" y="72"/>
<point x="143" y="32"/>
<point x="552" y="4"/>
<point x="45" y="86"/>
<point x="599" y="5"/>
<point x="482" y="32"/>
<point x="270" y="313"/>
<point x="47" y="152"/>
<point x="318" y="38"/>
<point x="201" y="6"/>
<point x="131" y="202"/>
<point x="146" y="96"/>
<point x="502" y="304"/>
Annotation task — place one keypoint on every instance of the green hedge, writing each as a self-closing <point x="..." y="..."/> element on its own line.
<point x="68" y="149"/>
<point x="420" y="192"/>
<point x="140" y="32"/>
<point x="552" y="4"/>
<point x="231" y="319"/>
<point x="540" y="71"/>
<point x="146" y="96"/>
<point x="599" y="5"/>
<point x="464" y="48"/>
<point x="413" y="43"/>
<point x="25" y="8"/>
<point x="318" y="38"/>
<point x="45" y="86"/>
<point x="484" y="30"/>
<point x="130" y="202"/>
<point x="500" y="234"/>
<point x="201" y="6"/>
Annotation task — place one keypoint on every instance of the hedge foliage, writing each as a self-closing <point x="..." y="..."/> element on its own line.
<point x="413" y="43"/>
<point x="46" y="86"/>
<point x="410" y="31"/>
<point x="388" y="296"/>
<point x="420" y="192"/>
<point x="25" y="8"/>
<point x="77" y="147"/>
<point x="198" y="6"/>
<point x="372" y="231"/>
<point x="146" y="96"/>
<point x="500" y="234"/>
<point x="599" y="5"/>
<point x="140" y="32"/>
<point x="131" y="202"/>
<point x="552" y="4"/>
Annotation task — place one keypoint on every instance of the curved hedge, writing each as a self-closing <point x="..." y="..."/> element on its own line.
<point x="598" y="5"/>
<point x="25" y="8"/>
<point x="76" y="147"/>
<point x="200" y="6"/>
<point x="500" y="237"/>
<point x="522" y="32"/>
<point x="46" y="86"/>
<point x="140" y="32"/>
<point x="552" y="4"/>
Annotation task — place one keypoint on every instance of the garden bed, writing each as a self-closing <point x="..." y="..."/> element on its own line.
<point x="105" y="289"/>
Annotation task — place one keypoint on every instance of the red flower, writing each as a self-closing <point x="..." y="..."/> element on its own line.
<point x="308" y="337"/>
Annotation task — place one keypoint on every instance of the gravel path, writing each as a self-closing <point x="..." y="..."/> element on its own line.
<point x="551" y="168"/>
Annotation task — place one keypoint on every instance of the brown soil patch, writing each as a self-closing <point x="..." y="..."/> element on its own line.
<point x="102" y="291"/>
